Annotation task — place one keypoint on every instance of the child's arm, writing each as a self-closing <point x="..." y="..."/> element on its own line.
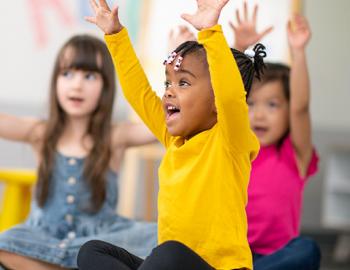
<point x="300" y="123"/>
<point x="132" y="134"/>
<point x="19" y="129"/>
<point x="133" y="80"/>
<point x="230" y="97"/>
<point x="245" y="30"/>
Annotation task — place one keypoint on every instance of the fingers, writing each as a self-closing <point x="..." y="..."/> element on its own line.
<point x="245" y="10"/>
<point x="187" y="18"/>
<point x="183" y="29"/>
<point x="90" y="19"/>
<point x="298" y="23"/>
<point x="238" y="17"/>
<point x="265" y="32"/>
<point x="302" y="21"/>
<point x="93" y="5"/>
<point x="289" y="28"/>
<point x="186" y="32"/>
<point x="255" y="14"/>
<point x="104" y="4"/>
<point x="115" y="11"/>
<point x="232" y="25"/>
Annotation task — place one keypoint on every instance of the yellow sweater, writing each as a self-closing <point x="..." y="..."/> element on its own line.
<point x="203" y="181"/>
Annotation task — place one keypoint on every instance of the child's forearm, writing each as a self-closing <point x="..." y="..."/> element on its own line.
<point x="134" y="83"/>
<point x="230" y="97"/>
<point x="299" y="83"/>
<point x="225" y="76"/>
<point x="17" y="128"/>
<point x="300" y="120"/>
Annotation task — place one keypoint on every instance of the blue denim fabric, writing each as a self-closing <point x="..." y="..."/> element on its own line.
<point x="299" y="254"/>
<point x="55" y="232"/>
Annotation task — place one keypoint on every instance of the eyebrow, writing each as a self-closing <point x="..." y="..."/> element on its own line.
<point x="183" y="71"/>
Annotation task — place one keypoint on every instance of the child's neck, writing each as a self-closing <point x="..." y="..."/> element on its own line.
<point x="76" y="127"/>
<point x="74" y="141"/>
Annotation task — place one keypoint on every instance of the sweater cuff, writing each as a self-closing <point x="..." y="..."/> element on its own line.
<point x="206" y="33"/>
<point x="116" y="37"/>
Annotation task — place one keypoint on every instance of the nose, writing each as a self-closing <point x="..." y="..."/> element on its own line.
<point x="77" y="81"/>
<point x="258" y="113"/>
<point x="169" y="92"/>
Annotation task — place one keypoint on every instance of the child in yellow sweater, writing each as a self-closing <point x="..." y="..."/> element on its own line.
<point x="202" y="120"/>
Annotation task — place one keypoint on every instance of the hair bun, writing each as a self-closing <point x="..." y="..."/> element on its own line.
<point x="259" y="54"/>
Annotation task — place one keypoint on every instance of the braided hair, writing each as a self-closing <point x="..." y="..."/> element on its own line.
<point x="249" y="66"/>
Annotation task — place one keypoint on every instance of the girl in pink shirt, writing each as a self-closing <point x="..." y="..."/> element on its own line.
<point x="280" y="117"/>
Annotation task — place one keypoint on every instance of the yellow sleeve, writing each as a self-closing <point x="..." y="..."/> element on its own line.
<point x="230" y="96"/>
<point x="135" y="85"/>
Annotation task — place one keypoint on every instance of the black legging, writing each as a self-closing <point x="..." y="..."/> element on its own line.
<point x="171" y="255"/>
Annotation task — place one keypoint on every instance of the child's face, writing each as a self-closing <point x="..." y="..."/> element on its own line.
<point x="268" y="112"/>
<point x="188" y="100"/>
<point x="78" y="91"/>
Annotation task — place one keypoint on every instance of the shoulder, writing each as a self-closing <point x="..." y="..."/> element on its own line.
<point x="288" y="153"/>
<point x="37" y="129"/>
<point x="37" y="134"/>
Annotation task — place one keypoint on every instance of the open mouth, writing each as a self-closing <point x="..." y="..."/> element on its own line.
<point x="76" y="99"/>
<point x="171" y="109"/>
<point x="260" y="130"/>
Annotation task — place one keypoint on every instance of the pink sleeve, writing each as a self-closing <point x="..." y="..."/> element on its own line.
<point x="288" y="154"/>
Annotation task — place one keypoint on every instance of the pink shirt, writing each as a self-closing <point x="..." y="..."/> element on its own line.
<point x="275" y="197"/>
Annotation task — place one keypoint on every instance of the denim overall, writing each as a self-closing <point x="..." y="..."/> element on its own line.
<point x="55" y="232"/>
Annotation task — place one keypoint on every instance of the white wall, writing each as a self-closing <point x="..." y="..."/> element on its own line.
<point x="329" y="59"/>
<point x="32" y="32"/>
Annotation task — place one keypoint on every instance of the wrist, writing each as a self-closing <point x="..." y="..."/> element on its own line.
<point x="297" y="52"/>
<point x="211" y="21"/>
<point x="115" y="30"/>
<point x="240" y="47"/>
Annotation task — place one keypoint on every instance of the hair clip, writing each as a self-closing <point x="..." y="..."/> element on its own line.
<point x="171" y="57"/>
<point x="178" y="63"/>
<point x="250" y="53"/>
<point x="259" y="50"/>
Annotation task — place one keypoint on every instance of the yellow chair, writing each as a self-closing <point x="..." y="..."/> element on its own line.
<point x="16" y="196"/>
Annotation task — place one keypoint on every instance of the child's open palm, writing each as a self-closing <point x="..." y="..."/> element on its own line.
<point x="245" y="29"/>
<point x="179" y="35"/>
<point x="207" y="14"/>
<point x="298" y="32"/>
<point x="105" y="18"/>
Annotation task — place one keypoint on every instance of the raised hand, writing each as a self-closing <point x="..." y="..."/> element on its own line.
<point x="105" y="18"/>
<point x="178" y="36"/>
<point x="207" y="14"/>
<point x="245" y="29"/>
<point x="298" y="32"/>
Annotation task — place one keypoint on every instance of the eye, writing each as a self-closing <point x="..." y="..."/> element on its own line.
<point x="250" y="103"/>
<point x="183" y="83"/>
<point x="166" y="84"/>
<point x="90" y="75"/>
<point x="68" y="73"/>
<point x="273" y="104"/>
